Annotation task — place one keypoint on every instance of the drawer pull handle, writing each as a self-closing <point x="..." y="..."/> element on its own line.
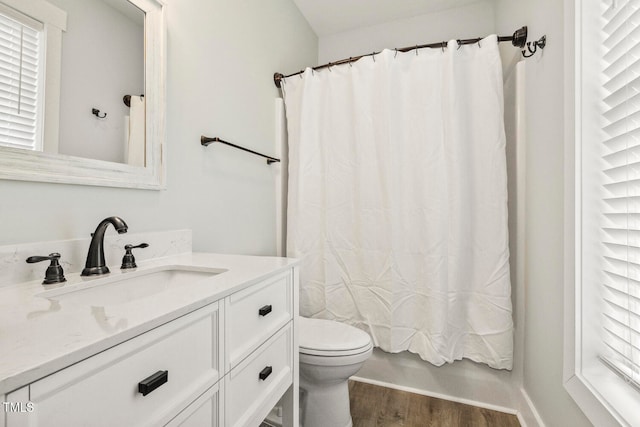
<point x="265" y="310"/>
<point x="264" y="374"/>
<point x="151" y="383"/>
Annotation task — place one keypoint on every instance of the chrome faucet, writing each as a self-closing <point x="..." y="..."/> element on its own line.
<point x="95" y="258"/>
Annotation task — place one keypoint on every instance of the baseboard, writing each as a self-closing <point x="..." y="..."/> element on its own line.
<point x="528" y="415"/>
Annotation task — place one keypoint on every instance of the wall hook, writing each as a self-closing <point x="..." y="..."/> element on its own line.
<point x="536" y="44"/>
<point x="96" y="113"/>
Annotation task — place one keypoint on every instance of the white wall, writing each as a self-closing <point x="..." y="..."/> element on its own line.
<point x="474" y="20"/>
<point x="102" y="60"/>
<point x="221" y="58"/>
<point x="543" y="358"/>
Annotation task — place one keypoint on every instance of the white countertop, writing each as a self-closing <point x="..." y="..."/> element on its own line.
<point x="39" y="336"/>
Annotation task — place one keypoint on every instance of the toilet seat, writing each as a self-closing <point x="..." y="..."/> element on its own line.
<point x="327" y="338"/>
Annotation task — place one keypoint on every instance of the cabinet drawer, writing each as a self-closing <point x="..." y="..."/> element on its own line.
<point x="256" y="313"/>
<point x="204" y="412"/>
<point x="103" y="390"/>
<point x="254" y="386"/>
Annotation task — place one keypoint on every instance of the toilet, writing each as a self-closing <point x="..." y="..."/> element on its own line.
<point x="330" y="352"/>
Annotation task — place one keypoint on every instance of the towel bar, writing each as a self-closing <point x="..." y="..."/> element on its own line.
<point x="205" y="140"/>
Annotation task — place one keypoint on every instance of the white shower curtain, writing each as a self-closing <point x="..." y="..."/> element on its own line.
<point x="398" y="200"/>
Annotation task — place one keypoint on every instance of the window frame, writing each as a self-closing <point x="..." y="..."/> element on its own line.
<point x="579" y="388"/>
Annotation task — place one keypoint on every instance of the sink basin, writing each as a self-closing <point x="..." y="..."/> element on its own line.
<point x="125" y="287"/>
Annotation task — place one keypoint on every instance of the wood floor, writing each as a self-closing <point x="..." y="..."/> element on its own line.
<point x="375" y="406"/>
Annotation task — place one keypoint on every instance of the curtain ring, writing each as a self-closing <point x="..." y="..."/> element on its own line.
<point x="350" y="65"/>
<point x="329" y="66"/>
<point x="394" y="56"/>
<point x="416" y="48"/>
<point x="373" y="56"/>
<point x="459" y="44"/>
<point x="479" y="45"/>
<point x="443" y="45"/>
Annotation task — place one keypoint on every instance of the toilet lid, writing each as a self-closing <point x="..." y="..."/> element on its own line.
<point x="329" y="338"/>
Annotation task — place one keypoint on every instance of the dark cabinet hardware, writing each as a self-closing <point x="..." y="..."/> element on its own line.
<point x="128" y="260"/>
<point x="54" y="273"/>
<point x="265" y="310"/>
<point x="151" y="383"/>
<point x="264" y="374"/>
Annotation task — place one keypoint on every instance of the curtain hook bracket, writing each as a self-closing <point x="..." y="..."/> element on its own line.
<point x="532" y="47"/>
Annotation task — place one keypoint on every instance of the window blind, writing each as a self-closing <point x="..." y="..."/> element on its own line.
<point x="621" y="200"/>
<point x="20" y="96"/>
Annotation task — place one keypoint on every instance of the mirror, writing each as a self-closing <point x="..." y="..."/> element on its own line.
<point x="102" y="61"/>
<point x="102" y="95"/>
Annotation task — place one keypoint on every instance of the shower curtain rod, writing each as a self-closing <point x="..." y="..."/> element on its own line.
<point x="518" y="39"/>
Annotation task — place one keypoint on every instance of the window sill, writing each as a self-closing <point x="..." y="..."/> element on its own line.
<point x="596" y="408"/>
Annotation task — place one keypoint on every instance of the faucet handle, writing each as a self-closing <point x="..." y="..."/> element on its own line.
<point x="54" y="273"/>
<point x="129" y="261"/>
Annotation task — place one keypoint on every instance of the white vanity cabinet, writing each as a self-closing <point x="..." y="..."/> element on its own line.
<point x="204" y="411"/>
<point x="103" y="389"/>
<point x="225" y="364"/>
<point x="259" y="331"/>
<point x="255" y="314"/>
